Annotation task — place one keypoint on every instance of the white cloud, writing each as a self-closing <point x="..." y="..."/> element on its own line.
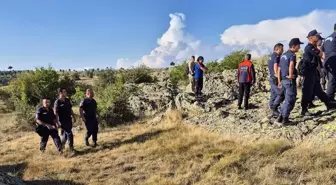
<point x="176" y="44"/>
<point x="262" y="36"/>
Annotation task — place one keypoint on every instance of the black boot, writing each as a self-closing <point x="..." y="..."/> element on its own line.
<point x="305" y="112"/>
<point x="280" y="119"/>
<point x="311" y="105"/>
<point x="275" y="113"/>
<point x="285" y="121"/>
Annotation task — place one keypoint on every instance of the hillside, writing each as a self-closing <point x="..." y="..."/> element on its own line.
<point x="169" y="152"/>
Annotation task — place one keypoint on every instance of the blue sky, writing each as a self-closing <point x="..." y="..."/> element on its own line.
<point x="81" y="33"/>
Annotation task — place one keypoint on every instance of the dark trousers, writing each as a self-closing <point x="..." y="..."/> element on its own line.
<point x="290" y="91"/>
<point x="324" y="77"/>
<point x="198" y="86"/>
<point x="54" y="134"/>
<point x="311" y="87"/>
<point x="244" y="92"/>
<point x="92" y="130"/>
<point x="66" y="133"/>
<point x="277" y="95"/>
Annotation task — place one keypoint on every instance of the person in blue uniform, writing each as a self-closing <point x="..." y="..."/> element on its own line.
<point x="273" y="65"/>
<point x="311" y="62"/>
<point x="288" y="74"/>
<point x="88" y="113"/>
<point x="46" y="119"/>
<point x="64" y="114"/>
<point x="199" y="69"/>
<point x="329" y="49"/>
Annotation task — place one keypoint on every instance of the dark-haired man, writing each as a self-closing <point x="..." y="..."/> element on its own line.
<point x="287" y="74"/>
<point x="246" y="78"/>
<point x="63" y="112"/>
<point x="45" y="117"/>
<point x="329" y="49"/>
<point x="276" y="92"/>
<point x="88" y="113"/>
<point x="199" y="69"/>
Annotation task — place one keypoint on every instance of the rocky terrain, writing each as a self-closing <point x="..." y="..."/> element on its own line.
<point x="218" y="111"/>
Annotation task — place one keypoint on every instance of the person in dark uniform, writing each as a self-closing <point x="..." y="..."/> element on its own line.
<point x="288" y="75"/>
<point x="320" y="72"/>
<point x="88" y="113"/>
<point x="329" y="49"/>
<point x="273" y="65"/>
<point x="46" y="118"/>
<point x="63" y="112"/>
<point x="311" y="79"/>
<point x="199" y="69"/>
<point x="246" y="78"/>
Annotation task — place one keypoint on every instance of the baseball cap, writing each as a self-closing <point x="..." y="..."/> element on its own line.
<point x="320" y="37"/>
<point x="295" y="41"/>
<point x="313" y="33"/>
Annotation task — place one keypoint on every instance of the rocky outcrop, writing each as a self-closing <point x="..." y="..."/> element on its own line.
<point x="6" y="179"/>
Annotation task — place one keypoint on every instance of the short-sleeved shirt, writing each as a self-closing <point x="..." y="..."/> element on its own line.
<point x="90" y="108"/>
<point x="329" y="46"/>
<point x="285" y="60"/>
<point x="198" y="71"/>
<point x="274" y="59"/>
<point x="44" y="115"/>
<point x="64" y="109"/>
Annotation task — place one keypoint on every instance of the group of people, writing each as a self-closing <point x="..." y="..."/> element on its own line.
<point x="50" y="119"/>
<point x="318" y="62"/>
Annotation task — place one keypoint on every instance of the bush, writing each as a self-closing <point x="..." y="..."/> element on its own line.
<point x="178" y="74"/>
<point x="113" y="106"/>
<point x="106" y="77"/>
<point x="75" y="76"/>
<point x="232" y="60"/>
<point x="78" y="96"/>
<point x="138" y="75"/>
<point x="69" y="84"/>
<point x="214" y="66"/>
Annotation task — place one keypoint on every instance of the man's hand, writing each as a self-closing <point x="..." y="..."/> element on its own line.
<point x="58" y="125"/>
<point x="50" y="127"/>
<point x="84" y="120"/>
<point x="279" y="85"/>
<point x="291" y="77"/>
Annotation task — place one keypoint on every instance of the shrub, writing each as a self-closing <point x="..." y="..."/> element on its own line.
<point x="75" y="76"/>
<point x="78" y="96"/>
<point x="214" y="66"/>
<point x="113" y="106"/>
<point x="178" y="74"/>
<point x="232" y="60"/>
<point x="69" y="84"/>
<point x="138" y="75"/>
<point x="106" y="77"/>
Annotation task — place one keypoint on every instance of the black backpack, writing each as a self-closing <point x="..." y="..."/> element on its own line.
<point x="301" y="68"/>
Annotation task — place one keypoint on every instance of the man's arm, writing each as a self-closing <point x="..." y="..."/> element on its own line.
<point x="279" y="77"/>
<point x="81" y="111"/>
<point x="202" y="67"/>
<point x="291" y="70"/>
<point x="190" y="69"/>
<point x="38" y="121"/>
<point x="56" y="110"/>
<point x="253" y="74"/>
<point x="276" y="65"/>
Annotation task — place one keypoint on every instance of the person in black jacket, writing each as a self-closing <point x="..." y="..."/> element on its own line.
<point x="311" y="64"/>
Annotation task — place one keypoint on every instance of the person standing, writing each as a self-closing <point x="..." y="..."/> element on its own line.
<point x="246" y="78"/>
<point x="311" y="77"/>
<point x="287" y="75"/>
<point x="273" y="65"/>
<point x="191" y="72"/>
<point x="88" y="113"/>
<point x="199" y="70"/>
<point x="46" y="119"/>
<point x="64" y="114"/>
<point x="329" y="49"/>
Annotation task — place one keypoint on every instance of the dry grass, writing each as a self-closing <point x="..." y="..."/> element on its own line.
<point x="171" y="153"/>
<point x="89" y="81"/>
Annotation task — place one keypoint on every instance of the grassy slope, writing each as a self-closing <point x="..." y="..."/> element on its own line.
<point x="169" y="153"/>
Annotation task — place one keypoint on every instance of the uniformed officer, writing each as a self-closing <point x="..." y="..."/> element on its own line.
<point x="273" y="64"/>
<point x="63" y="112"/>
<point x="45" y="117"/>
<point x="88" y="113"/>
<point x="311" y="80"/>
<point x="288" y="75"/>
<point x="329" y="49"/>
<point x="246" y="78"/>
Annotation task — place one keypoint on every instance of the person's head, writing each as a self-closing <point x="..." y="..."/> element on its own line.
<point x="62" y="92"/>
<point x="313" y="37"/>
<point x="248" y="56"/>
<point x="278" y="48"/>
<point x="46" y="102"/>
<point x="319" y="41"/>
<point x="200" y="59"/>
<point x="89" y="93"/>
<point x="192" y="58"/>
<point x="294" y="45"/>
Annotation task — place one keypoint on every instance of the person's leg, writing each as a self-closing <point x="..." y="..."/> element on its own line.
<point x="57" y="140"/>
<point x="273" y="93"/>
<point x="290" y="98"/>
<point x="88" y="132"/>
<point x="200" y="86"/>
<point x="197" y="87"/>
<point x="321" y="94"/>
<point x="331" y="87"/>
<point x="44" y="141"/>
<point x="247" y="88"/>
<point x="241" y="94"/>
<point x="64" y="137"/>
<point x="70" y="137"/>
<point x="307" y="93"/>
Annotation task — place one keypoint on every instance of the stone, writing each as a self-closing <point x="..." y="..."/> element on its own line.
<point x="6" y="179"/>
